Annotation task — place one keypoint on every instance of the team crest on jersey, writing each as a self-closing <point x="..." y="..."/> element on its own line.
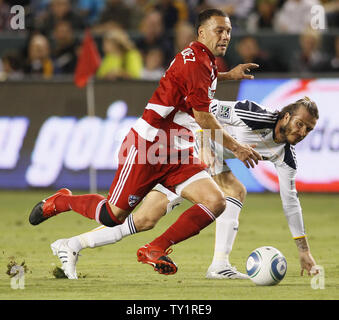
<point x="212" y="89"/>
<point x="264" y="133"/>
<point x="211" y="93"/>
<point x="133" y="200"/>
<point x="225" y="112"/>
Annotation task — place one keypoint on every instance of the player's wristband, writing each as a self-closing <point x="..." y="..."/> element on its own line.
<point x="300" y="237"/>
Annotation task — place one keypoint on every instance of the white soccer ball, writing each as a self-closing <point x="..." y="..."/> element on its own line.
<point x="266" y="266"/>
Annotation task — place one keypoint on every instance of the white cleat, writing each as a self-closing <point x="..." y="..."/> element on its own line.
<point x="67" y="256"/>
<point x="226" y="272"/>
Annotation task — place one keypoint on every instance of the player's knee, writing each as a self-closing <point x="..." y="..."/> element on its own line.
<point x="216" y="203"/>
<point x="220" y="207"/>
<point x="236" y="190"/>
<point x="242" y="192"/>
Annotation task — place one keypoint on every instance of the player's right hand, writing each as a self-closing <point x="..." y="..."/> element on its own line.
<point x="248" y="155"/>
<point x="307" y="263"/>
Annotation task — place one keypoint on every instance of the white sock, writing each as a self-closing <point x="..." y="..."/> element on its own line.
<point x="226" y="231"/>
<point x="103" y="235"/>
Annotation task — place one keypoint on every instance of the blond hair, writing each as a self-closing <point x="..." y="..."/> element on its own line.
<point x="306" y="102"/>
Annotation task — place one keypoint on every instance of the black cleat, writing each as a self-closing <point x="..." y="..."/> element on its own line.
<point x="46" y="208"/>
<point x="36" y="216"/>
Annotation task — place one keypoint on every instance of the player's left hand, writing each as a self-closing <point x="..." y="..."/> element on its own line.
<point x="239" y="72"/>
<point x="248" y="155"/>
<point x="307" y="263"/>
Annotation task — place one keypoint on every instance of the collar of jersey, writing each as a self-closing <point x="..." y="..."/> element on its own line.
<point x="201" y="46"/>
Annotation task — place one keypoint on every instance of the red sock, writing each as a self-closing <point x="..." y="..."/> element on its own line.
<point x="188" y="225"/>
<point x="86" y="204"/>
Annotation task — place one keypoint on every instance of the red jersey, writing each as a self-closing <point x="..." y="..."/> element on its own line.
<point x="168" y="119"/>
<point x="190" y="82"/>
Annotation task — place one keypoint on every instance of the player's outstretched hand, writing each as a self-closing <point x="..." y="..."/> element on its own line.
<point x="248" y="155"/>
<point x="307" y="263"/>
<point x="239" y="72"/>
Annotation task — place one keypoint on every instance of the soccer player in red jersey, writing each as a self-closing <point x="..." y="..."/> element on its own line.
<point x="159" y="149"/>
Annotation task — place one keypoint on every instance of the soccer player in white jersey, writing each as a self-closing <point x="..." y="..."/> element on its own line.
<point x="275" y="134"/>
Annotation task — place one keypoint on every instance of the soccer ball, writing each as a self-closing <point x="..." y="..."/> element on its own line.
<point x="266" y="266"/>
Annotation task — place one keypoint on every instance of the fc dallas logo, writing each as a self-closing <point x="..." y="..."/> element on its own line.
<point x="133" y="200"/>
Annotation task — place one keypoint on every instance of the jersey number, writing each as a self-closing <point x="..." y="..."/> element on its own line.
<point x="188" y="55"/>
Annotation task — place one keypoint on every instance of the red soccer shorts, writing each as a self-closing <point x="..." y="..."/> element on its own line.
<point x="136" y="175"/>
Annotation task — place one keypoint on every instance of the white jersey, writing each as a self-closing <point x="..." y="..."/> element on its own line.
<point x="250" y="123"/>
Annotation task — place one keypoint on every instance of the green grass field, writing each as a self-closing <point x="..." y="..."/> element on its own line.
<point x="112" y="272"/>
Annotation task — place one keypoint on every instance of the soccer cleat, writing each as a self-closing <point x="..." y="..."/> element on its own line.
<point x="226" y="272"/>
<point x="46" y="208"/>
<point x="67" y="256"/>
<point x="157" y="258"/>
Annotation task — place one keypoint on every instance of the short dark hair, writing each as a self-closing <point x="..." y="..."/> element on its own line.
<point x="206" y="15"/>
<point x="306" y="102"/>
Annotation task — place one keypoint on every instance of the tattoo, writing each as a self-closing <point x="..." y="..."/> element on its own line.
<point x="302" y="244"/>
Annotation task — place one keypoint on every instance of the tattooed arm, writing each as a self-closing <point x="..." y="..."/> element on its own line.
<point x="302" y="244"/>
<point x="306" y="260"/>
<point x="293" y="213"/>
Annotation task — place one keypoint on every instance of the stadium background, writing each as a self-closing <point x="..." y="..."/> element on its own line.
<point x="38" y="95"/>
<point x="47" y="139"/>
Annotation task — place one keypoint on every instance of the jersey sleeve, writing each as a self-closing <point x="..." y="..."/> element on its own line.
<point x="290" y="201"/>
<point x="198" y="85"/>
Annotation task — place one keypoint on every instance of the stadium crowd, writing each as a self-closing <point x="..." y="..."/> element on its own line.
<point x="137" y="39"/>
